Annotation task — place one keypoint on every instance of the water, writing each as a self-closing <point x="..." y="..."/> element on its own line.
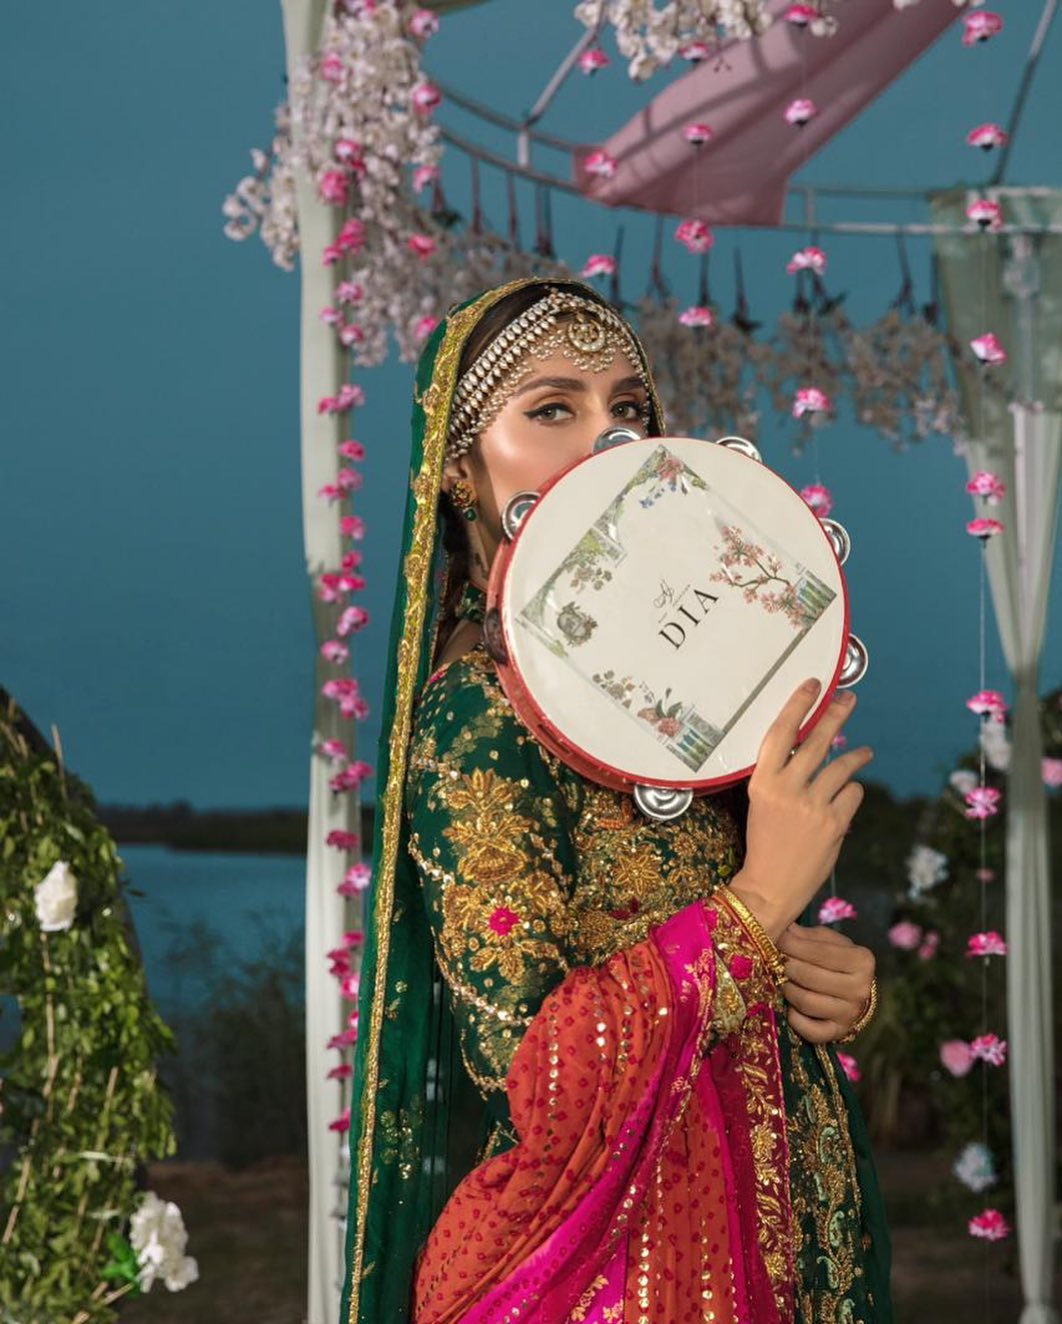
<point x="244" y="901"/>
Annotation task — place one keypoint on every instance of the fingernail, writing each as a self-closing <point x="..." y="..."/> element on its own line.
<point x="812" y="685"/>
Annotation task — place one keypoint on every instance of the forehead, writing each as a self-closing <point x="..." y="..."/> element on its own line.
<point x="558" y="365"/>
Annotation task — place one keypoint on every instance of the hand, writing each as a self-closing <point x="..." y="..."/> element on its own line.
<point x="799" y="811"/>
<point x="829" y="981"/>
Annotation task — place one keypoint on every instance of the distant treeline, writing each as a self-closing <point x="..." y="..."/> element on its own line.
<point x="250" y="831"/>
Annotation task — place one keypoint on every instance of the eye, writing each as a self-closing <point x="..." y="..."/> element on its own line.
<point x="628" y="409"/>
<point x="549" y="413"/>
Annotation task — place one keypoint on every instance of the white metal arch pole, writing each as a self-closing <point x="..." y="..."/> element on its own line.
<point x="321" y="373"/>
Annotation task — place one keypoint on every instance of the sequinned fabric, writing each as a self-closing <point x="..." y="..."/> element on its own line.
<point x="604" y="1058"/>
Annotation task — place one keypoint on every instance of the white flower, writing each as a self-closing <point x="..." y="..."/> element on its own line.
<point x="157" y="1235"/>
<point x="963" y="780"/>
<point x="974" y="1167"/>
<point x="926" y="868"/>
<point x="57" y="898"/>
<point x="995" y="744"/>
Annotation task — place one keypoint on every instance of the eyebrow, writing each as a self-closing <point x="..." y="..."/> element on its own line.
<point x="574" y="384"/>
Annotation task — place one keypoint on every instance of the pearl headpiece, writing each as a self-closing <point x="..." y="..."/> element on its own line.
<point x="587" y="333"/>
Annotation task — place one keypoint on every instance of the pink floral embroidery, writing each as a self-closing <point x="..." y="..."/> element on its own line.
<point x="503" y="920"/>
<point x="740" y="966"/>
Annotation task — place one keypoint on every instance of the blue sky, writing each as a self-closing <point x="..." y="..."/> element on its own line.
<point x="153" y="602"/>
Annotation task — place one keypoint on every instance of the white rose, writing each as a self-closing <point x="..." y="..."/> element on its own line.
<point x="57" y="898"/>
<point x="963" y="780"/>
<point x="184" y="1272"/>
<point x="158" y="1236"/>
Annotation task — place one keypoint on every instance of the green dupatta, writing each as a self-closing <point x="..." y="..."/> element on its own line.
<point x="409" y="1082"/>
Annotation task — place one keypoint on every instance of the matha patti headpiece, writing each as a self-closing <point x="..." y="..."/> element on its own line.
<point x="587" y="333"/>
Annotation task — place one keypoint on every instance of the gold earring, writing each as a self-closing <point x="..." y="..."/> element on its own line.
<point x="463" y="497"/>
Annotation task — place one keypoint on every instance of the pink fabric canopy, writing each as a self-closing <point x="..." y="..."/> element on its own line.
<point x="740" y="176"/>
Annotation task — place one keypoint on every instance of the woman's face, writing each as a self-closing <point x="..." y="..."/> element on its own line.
<point x="552" y="419"/>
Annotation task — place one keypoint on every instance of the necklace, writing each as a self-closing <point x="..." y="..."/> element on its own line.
<point x="472" y="604"/>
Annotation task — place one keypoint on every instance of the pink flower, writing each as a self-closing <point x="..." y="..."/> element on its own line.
<point x="955" y="1057"/>
<point x="810" y="400"/>
<point x="352" y="238"/>
<point x="334" y="651"/>
<point x="984" y="528"/>
<point x="599" y="264"/>
<point x="818" y="498"/>
<point x="990" y="1225"/>
<point x="342" y="840"/>
<point x="351" y="777"/>
<point x="740" y="966"/>
<point x="423" y="175"/>
<point x="424" y="327"/>
<point x="349" y="480"/>
<point x="349" y="986"/>
<point x="986" y="944"/>
<point x="422" y="245"/>
<point x="982" y="802"/>
<point x="351" y="334"/>
<point x="332" y="67"/>
<point x="347" y="150"/>
<point x="331" y="255"/>
<point x="342" y="1072"/>
<point x="801" y="15"/>
<point x="801" y="110"/>
<point x="987" y="485"/>
<point x="987" y="136"/>
<point x="930" y="943"/>
<point x="353" y="619"/>
<point x="697" y="134"/>
<point x="989" y="702"/>
<point x="351" y="449"/>
<point x="349" y="291"/>
<point x="356" y="879"/>
<point x="988" y="215"/>
<point x="980" y="26"/>
<point x="905" y="936"/>
<point x="695" y="51"/>
<point x="341" y="1123"/>
<point x="330" y="316"/>
<point x="807" y="259"/>
<point x="601" y="164"/>
<point x="333" y="750"/>
<point x="1051" y="771"/>
<point x="669" y="726"/>
<point x="352" y="526"/>
<point x="849" y="1066"/>
<point x="349" y="396"/>
<point x="834" y="909"/>
<point x="988" y="350"/>
<point x="334" y="187"/>
<point x="592" y="60"/>
<point x="423" y="24"/>
<point x="344" y="1039"/>
<point x="695" y="235"/>
<point x="503" y="920"/>
<point x="352" y="938"/>
<point x="345" y="692"/>
<point x="330" y="491"/>
<point x="989" y="1048"/>
<point x="985" y="875"/>
<point x="425" y="97"/>
<point x="698" y="315"/>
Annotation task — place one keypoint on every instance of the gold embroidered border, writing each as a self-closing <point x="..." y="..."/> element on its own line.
<point x="435" y="403"/>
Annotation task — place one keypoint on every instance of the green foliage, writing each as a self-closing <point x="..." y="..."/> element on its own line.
<point x="81" y="1103"/>
<point x="923" y="1003"/>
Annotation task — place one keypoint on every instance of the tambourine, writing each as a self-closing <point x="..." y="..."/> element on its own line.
<point x="653" y="606"/>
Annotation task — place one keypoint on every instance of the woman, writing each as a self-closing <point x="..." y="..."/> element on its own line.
<point x="592" y="1081"/>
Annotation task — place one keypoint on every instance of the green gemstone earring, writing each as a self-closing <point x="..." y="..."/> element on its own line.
<point x="464" y="498"/>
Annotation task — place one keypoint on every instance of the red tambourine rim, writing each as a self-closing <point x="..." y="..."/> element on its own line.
<point x="558" y="742"/>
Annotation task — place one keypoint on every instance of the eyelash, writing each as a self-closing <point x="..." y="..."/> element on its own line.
<point x="542" y="410"/>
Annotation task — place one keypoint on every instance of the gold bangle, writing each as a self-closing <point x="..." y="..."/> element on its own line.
<point x="865" y="1016"/>
<point x="772" y="958"/>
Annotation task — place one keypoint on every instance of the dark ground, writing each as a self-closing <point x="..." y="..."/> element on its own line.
<point x="248" y="1231"/>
